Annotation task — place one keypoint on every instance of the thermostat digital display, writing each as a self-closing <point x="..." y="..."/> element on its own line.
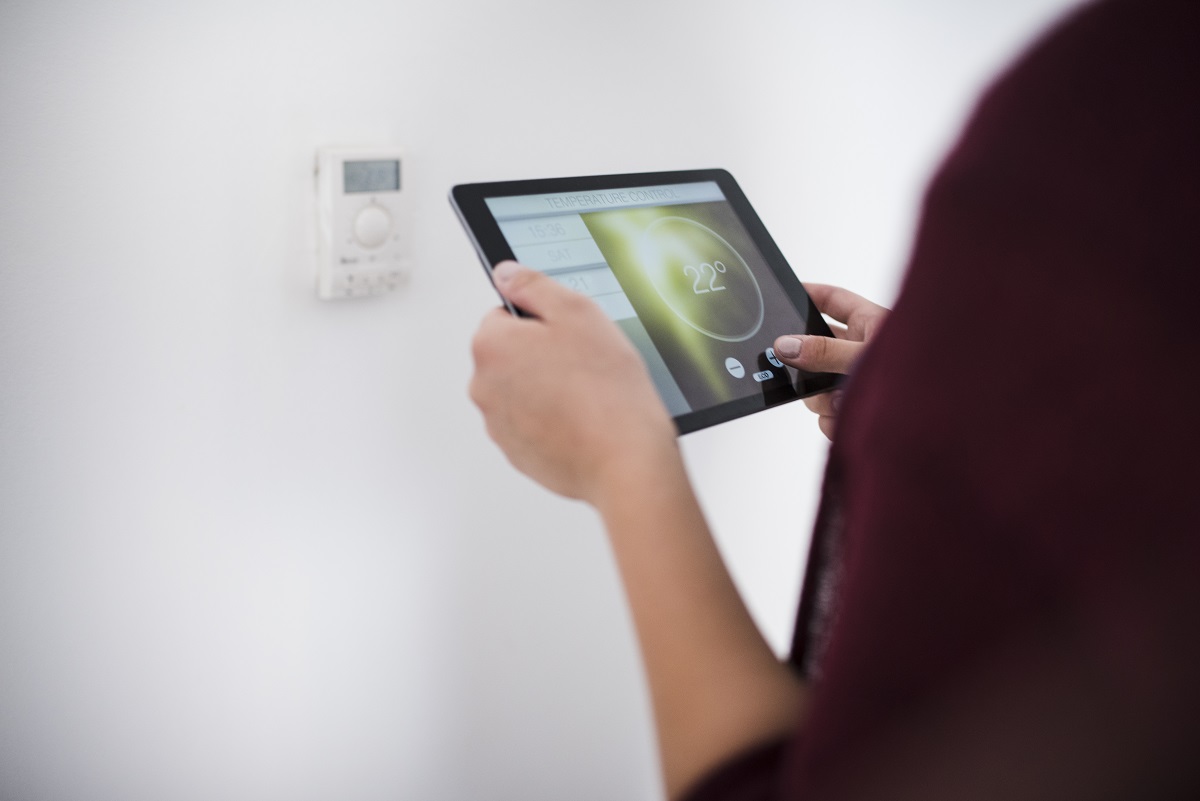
<point x="371" y="176"/>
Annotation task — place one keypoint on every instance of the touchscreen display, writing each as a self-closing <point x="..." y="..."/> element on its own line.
<point x="678" y="272"/>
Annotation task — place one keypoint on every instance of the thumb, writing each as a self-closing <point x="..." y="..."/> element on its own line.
<point x="818" y="354"/>
<point x="529" y="290"/>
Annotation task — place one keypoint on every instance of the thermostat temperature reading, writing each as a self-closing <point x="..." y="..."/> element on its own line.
<point x="371" y="176"/>
<point x="702" y="278"/>
<point x="362" y="226"/>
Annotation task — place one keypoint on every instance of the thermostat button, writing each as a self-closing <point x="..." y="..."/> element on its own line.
<point x="372" y="226"/>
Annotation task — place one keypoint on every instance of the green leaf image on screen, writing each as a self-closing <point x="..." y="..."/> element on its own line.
<point x="702" y="278"/>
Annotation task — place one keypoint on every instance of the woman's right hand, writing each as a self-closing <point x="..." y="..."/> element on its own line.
<point x="860" y="321"/>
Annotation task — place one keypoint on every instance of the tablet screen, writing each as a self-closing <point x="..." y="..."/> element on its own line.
<point x="675" y="267"/>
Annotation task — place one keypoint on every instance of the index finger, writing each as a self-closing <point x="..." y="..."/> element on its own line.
<point x="838" y="303"/>
<point x="534" y="291"/>
<point x="498" y="323"/>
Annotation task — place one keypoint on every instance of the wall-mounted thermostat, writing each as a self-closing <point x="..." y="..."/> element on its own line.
<point x="363" y="227"/>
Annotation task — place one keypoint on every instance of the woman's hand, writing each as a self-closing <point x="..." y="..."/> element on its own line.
<point x="565" y="394"/>
<point x="569" y="400"/>
<point x="861" y="320"/>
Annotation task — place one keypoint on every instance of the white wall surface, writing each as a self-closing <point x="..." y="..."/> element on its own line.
<point x="256" y="546"/>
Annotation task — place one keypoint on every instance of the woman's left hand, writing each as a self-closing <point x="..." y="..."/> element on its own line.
<point x="565" y="394"/>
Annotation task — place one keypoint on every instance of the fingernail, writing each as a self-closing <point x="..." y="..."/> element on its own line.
<point x="503" y="272"/>
<point x="788" y="347"/>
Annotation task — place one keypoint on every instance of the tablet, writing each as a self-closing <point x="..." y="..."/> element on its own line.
<point x="679" y="261"/>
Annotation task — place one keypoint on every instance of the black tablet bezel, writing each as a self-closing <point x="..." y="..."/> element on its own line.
<point x="468" y="201"/>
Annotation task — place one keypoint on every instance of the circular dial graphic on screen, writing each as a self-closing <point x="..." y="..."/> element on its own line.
<point x="703" y="280"/>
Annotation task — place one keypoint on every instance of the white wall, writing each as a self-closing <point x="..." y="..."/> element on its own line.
<point x="254" y="546"/>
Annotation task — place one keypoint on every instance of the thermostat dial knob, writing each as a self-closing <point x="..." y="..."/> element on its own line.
<point x="372" y="226"/>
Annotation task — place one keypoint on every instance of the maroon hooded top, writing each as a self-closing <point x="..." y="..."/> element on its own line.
<point x="1003" y="596"/>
